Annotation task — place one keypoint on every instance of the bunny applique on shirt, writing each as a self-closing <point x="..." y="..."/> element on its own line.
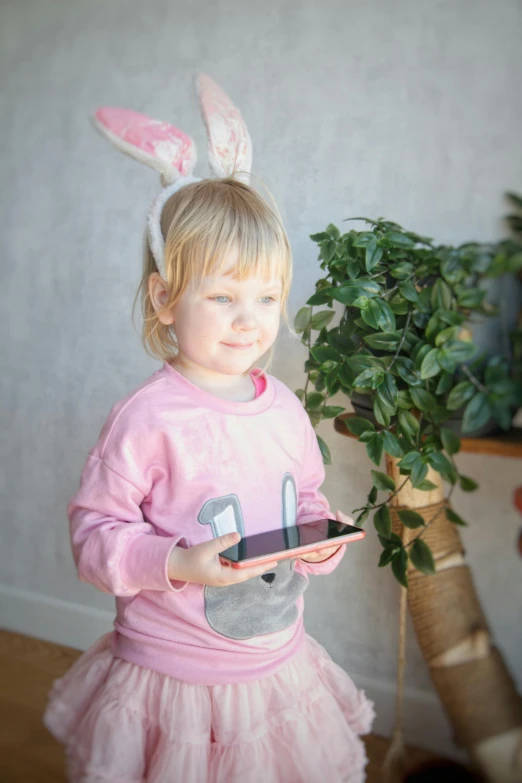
<point x="264" y="604"/>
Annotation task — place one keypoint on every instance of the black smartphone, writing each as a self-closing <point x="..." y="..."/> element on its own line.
<point x="290" y="542"/>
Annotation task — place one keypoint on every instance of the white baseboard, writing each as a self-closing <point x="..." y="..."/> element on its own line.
<point x="78" y="626"/>
<point x="52" y="619"/>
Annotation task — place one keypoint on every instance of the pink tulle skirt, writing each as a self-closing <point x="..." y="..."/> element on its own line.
<point x="121" y="723"/>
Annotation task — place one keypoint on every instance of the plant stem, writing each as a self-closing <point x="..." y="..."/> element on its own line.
<point x="390" y="291"/>
<point x="475" y="381"/>
<point x="408" y="319"/>
<point x="408" y="478"/>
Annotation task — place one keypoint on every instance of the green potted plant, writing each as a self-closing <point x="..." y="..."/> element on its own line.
<point x="400" y="347"/>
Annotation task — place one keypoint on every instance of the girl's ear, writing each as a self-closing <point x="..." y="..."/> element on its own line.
<point x="229" y="145"/>
<point x="157" y="144"/>
<point x="159" y="297"/>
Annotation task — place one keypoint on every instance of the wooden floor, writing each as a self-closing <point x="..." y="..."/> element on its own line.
<point x="28" y="753"/>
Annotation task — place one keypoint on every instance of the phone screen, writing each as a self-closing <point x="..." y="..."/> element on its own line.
<point x="286" y="538"/>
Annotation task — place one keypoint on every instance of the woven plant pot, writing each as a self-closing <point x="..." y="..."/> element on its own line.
<point x="467" y="671"/>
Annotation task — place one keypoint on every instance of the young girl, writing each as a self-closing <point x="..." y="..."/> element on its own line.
<point x="208" y="676"/>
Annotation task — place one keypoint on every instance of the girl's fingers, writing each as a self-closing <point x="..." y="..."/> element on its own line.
<point x="218" y="545"/>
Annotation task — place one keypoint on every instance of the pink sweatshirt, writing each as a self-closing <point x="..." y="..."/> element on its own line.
<point x="175" y="465"/>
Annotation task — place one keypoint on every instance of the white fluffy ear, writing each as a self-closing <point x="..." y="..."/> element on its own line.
<point x="157" y="144"/>
<point x="229" y="145"/>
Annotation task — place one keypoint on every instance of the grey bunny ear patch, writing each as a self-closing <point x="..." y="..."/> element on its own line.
<point x="224" y="515"/>
<point x="289" y="505"/>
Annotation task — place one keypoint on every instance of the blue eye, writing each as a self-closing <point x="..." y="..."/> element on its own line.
<point x="269" y="298"/>
<point x="218" y="298"/>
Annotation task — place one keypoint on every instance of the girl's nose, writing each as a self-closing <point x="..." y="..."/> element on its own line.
<point x="245" y="321"/>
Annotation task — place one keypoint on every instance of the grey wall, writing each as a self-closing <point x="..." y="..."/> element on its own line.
<point x="406" y="109"/>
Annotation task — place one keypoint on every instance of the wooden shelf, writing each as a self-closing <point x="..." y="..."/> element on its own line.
<point x="508" y="444"/>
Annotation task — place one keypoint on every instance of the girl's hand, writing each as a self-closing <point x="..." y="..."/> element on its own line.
<point x="324" y="554"/>
<point x="201" y="564"/>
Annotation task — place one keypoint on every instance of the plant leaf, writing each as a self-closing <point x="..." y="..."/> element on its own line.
<point x="419" y="472"/>
<point x="460" y="394"/>
<point x="387" y="393"/>
<point x="442" y="465"/>
<point x="358" y="425"/>
<point x="458" y="351"/>
<point x="370" y="313"/>
<point x="406" y="370"/>
<point x="478" y="412"/>
<point x="325" y="353"/>
<point x="404" y="399"/>
<point x="331" y="411"/>
<point x="401" y="270"/>
<point x="441" y="296"/>
<point x="408" y="291"/>
<point x="375" y="448"/>
<point x="445" y="383"/>
<point x="333" y="231"/>
<point x="303" y="319"/>
<point x="363" y="516"/>
<point x="391" y="444"/>
<point x="341" y="343"/>
<point x="322" y="318"/>
<point x="328" y="248"/>
<point x="467" y="484"/>
<point x="409" y="460"/>
<point x="373" y="255"/>
<point x="387" y="320"/>
<point x="430" y="365"/>
<point x="421" y="557"/>
<point x="400" y="567"/>
<point x="383" y="341"/>
<point x="382" y="521"/>
<point x="452" y="269"/>
<point x="382" y="481"/>
<point x="314" y="401"/>
<point x="393" y="538"/>
<point x="352" y="289"/>
<point x="426" y="486"/>
<point x="323" y="296"/>
<point x="422" y="399"/>
<point x="449" y="333"/>
<point x="471" y="297"/>
<point x="381" y="412"/>
<point x="397" y="239"/>
<point x="325" y="451"/>
<point x="411" y="519"/>
<point x="387" y="555"/>
<point x="408" y="423"/>
<point x="450" y="441"/>
<point x="455" y="518"/>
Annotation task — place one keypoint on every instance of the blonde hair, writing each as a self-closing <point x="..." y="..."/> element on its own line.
<point x="201" y="224"/>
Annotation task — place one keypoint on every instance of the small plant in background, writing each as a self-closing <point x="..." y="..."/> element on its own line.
<point x="403" y="353"/>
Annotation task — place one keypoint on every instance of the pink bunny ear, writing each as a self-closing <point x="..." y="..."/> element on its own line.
<point x="229" y="145"/>
<point x="155" y="143"/>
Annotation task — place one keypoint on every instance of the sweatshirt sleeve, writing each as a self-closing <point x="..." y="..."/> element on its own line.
<point x="114" y="547"/>
<point x="311" y="503"/>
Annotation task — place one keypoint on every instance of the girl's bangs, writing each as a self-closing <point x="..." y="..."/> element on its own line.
<point x="259" y="252"/>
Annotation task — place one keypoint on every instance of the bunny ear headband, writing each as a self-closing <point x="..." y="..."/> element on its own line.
<point x="171" y="152"/>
